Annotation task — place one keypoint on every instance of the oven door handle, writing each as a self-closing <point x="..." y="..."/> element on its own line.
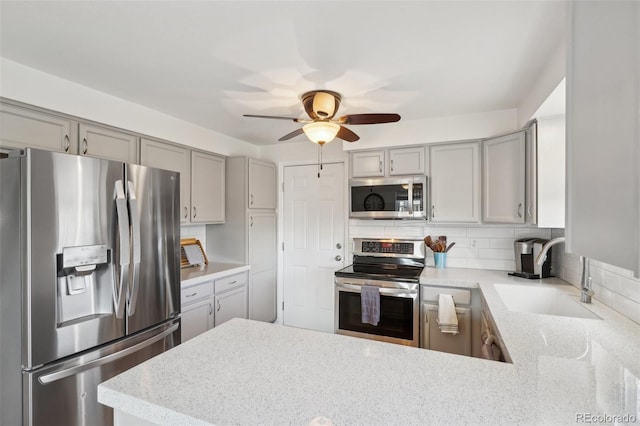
<point x="397" y="292"/>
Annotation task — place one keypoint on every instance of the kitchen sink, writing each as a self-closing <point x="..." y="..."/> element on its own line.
<point x="541" y="300"/>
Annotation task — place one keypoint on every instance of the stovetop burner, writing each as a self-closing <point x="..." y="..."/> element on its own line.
<point x="381" y="272"/>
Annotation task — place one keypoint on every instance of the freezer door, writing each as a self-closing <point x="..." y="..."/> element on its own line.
<point x="75" y="273"/>
<point x="154" y="207"/>
<point x="66" y="393"/>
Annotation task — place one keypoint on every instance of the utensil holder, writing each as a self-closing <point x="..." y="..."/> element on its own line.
<point x="440" y="260"/>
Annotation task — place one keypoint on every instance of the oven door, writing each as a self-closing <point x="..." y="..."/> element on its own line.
<point x="399" y="314"/>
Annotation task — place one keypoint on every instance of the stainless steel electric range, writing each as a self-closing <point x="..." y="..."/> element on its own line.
<point x="393" y="268"/>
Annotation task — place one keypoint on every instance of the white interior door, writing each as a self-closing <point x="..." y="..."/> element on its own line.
<point x="314" y="243"/>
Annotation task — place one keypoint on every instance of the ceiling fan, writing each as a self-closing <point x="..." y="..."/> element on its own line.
<point x="321" y="127"/>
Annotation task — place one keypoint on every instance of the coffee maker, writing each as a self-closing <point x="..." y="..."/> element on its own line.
<point x="526" y="252"/>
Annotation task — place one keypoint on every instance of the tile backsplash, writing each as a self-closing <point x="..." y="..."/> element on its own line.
<point x="613" y="286"/>
<point x="477" y="247"/>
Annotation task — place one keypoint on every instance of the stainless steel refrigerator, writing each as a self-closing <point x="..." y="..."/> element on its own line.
<point x="89" y="280"/>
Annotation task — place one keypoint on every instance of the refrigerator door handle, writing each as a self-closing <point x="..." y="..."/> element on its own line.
<point x="135" y="243"/>
<point x="122" y="263"/>
<point x="72" y="371"/>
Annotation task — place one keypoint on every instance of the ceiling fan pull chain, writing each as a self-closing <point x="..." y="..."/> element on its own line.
<point x="319" y="159"/>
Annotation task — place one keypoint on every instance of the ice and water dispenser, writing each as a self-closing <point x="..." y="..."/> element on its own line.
<point x="85" y="281"/>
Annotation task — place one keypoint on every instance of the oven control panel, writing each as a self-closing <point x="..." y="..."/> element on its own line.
<point x="387" y="247"/>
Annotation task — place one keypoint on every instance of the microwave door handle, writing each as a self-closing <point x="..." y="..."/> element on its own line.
<point x="122" y="262"/>
<point x="135" y="243"/>
<point x="410" y="198"/>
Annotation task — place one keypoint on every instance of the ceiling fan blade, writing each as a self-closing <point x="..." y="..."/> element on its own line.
<point x="347" y="135"/>
<point x="369" y="118"/>
<point x="291" y="135"/>
<point x="271" y="116"/>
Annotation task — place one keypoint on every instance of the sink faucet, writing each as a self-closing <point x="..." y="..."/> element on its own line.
<point x="585" y="281"/>
<point x="545" y="248"/>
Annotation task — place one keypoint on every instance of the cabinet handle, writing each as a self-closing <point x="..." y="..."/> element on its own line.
<point x="192" y="294"/>
<point x="233" y="282"/>
<point x="194" y="212"/>
<point x="251" y="201"/>
<point x="529" y="210"/>
<point x="67" y="143"/>
<point x="186" y="212"/>
<point x="338" y="258"/>
<point x="520" y="210"/>
<point x="210" y="308"/>
<point x="433" y="211"/>
<point x="380" y="166"/>
<point x="86" y="145"/>
<point x="391" y="165"/>
<point x="218" y="310"/>
<point x="251" y="221"/>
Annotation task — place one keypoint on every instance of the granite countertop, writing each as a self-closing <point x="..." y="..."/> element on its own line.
<point x="211" y="271"/>
<point x="565" y="370"/>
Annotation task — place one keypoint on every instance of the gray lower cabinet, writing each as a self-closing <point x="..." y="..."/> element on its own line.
<point x="26" y="128"/>
<point x="197" y="310"/>
<point x="103" y="142"/>
<point x="262" y="255"/>
<point x="231" y="297"/>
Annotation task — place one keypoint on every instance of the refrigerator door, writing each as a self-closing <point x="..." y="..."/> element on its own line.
<point x="74" y="249"/>
<point x="66" y="393"/>
<point x="154" y="207"/>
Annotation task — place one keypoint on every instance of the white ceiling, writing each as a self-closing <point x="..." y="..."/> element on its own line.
<point x="209" y="62"/>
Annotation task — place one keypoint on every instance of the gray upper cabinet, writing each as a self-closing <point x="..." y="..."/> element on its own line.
<point x="102" y="142"/>
<point x="207" y="188"/>
<point x="262" y="184"/>
<point x="407" y="161"/>
<point x="170" y="157"/>
<point x="22" y="128"/>
<point x="603" y="124"/>
<point x="455" y="183"/>
<point x="368" y="163"/>
<point x="503" y="179"/>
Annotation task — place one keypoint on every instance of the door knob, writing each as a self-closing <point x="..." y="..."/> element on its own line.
<point x="338" y="246"/>
<point x="338" y="258"/>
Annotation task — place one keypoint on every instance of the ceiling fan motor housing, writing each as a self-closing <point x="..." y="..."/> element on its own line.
<point x="321" y="104"/>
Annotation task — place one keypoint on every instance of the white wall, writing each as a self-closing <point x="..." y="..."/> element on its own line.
<point x="549" y="78"/>
<point x="304" y="152"/>
<point x="613" y="286"/>
<point x="31" y="86"/>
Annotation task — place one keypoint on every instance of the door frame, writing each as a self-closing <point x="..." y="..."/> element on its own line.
<point x="280" y="221"/>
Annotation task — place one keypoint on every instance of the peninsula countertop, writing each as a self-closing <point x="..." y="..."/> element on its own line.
<point x="565" y="370"/>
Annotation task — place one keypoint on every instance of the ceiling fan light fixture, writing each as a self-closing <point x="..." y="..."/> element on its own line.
<point x="321" y="132"/>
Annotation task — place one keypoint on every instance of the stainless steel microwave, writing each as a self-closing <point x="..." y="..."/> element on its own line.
<point x="402" y="197"/>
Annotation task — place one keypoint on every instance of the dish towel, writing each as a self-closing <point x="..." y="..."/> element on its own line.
<point x="370" y="304"/>
<point x="447" y="318"/>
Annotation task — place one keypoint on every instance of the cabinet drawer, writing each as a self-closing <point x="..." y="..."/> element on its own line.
<point x="234" y="281"/>
<point x="195" y="293"/>
<point x="460" y="296"/>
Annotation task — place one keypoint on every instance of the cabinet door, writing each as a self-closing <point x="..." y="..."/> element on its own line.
<point x="367" y="163"/>
<point x="262" y="185"/>
<point x="503" y="173"/>
<point x="434" y="339"/>
<point x="455" y="183"/>
<point x="232" y="304"/>
<point x="207" y="188"/>
<point x="196" y="319"/>
<point x="100" y="142"/>
<point x="170" y="157"/>
<point x="603" y="124"/>
<point x="407" y="161"/>
<point x="262" y="258"/>
<point x="24" y="128"/>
